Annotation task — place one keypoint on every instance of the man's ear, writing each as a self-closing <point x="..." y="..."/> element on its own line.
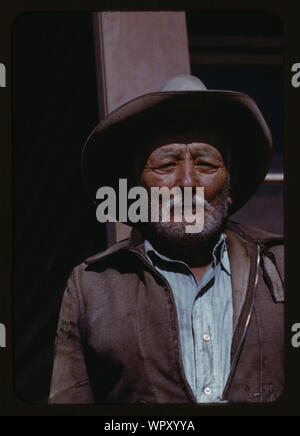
<point x="229" y="199"/>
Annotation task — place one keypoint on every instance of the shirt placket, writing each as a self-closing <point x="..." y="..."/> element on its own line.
<point x="204" y="349"/>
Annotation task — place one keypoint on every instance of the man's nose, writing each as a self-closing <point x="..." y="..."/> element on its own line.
<point x="186" y="175"/>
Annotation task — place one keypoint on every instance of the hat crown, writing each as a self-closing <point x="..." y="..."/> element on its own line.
<point x="183" y="82"/>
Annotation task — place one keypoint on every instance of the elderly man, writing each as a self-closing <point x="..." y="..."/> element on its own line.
<point x="168" y="316"/>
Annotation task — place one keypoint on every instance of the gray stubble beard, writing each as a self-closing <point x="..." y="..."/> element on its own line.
<point x="215" y="217"/>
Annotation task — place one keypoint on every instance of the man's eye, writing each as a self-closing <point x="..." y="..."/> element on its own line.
<point x="166" y="165"/>
<point x="205" y="164"/>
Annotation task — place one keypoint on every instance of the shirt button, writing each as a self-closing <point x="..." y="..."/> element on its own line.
<point x="206" y="338"/>
<point x="207" y="391"/>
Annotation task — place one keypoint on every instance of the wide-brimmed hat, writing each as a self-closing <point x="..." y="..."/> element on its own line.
<point x="110" y="149"/>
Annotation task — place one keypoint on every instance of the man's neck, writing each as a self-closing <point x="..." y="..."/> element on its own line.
<point x="197" y="255"/>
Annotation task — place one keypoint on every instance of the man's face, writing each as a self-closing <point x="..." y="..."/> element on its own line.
<point x="191" y="159"/>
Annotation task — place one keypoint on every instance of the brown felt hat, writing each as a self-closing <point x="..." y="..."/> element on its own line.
<point x="109" y="151"/>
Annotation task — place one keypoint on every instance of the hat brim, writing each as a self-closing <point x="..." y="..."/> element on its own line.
<point x="109" y="150"/>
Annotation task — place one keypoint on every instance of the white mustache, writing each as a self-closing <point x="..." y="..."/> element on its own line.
<point x="188" y="207"/>
<point x="197" y="202"/>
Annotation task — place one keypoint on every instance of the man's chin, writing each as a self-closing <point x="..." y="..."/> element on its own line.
<point x="176" y="233"/>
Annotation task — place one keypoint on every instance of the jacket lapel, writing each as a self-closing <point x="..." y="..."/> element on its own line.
<point x="240" y="263"/>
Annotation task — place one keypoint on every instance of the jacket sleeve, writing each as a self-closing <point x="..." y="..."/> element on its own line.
<point x="70" y="382"/>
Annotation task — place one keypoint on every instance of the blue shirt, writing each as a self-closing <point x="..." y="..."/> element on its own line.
<point x="205" y="319"/>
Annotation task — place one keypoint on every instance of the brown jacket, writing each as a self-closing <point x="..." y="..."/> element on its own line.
<point x="118" y="339"/>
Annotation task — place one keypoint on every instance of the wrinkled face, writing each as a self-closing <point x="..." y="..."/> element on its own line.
<point x="191" y="159"/>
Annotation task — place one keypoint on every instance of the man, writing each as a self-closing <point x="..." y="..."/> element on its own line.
<point x="168" y="316"/>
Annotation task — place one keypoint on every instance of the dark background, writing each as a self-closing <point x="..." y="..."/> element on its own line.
<point x="54" y="110"/>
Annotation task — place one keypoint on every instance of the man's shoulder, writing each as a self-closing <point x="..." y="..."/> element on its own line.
<point x="272" y="245"/>
<point x="260" y="236"/>
<point x="103" y="266"/>
<point x="110" y="251"/>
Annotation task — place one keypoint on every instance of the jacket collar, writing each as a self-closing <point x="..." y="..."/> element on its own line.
<point x="240" y="252"/>
<point x="135" y="241"/>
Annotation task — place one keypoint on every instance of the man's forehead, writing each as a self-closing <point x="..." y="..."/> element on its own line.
<point x="177" y="148"/>
<point x="171" y="138"/>
<point x="193" y="147"/>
